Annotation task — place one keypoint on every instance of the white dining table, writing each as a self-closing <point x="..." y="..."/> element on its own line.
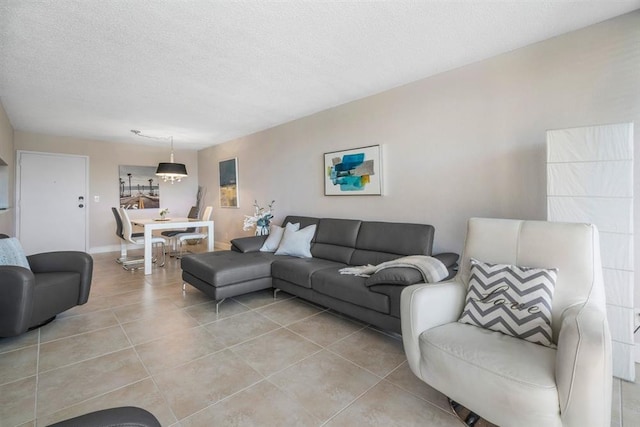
<point x="151" y="224"/>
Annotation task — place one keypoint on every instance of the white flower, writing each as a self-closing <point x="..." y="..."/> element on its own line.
<point x="261" y="217"/>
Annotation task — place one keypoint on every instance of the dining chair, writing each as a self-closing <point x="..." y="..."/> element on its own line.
<point x="199" y="235"/>
<point x="171" y="234"/>
<point x="127" y="234"/>
<point x="119" y="233"/>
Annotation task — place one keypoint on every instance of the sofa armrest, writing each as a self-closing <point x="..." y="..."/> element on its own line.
<point x="16" y="299"/>
<point x="583" y="367"/>
<point x="426" y="306"/>
<point x="78" y="262"/>
<point x="248" y="244"/>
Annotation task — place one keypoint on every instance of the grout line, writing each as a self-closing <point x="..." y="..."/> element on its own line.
<point x="35" y="397"/>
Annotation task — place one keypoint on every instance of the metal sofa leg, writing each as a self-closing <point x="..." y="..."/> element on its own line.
<point x="275" y="293"/>
<point x="218" y="304"/>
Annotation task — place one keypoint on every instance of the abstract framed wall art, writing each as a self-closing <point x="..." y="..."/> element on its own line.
<point x="228" y="183"/>
<point x="355" y="172"/>
<point x="139" y="187"/>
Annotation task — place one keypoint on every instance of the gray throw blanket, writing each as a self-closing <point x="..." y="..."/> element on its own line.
<point x="432" y="269"/>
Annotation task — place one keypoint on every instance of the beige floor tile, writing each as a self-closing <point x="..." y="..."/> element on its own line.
<point x="336" y="383"/>
<point x="630" y="403"/>
<point x="206" y="312"/>
<point x="177" y="349"/>
<point x="140" y="310"/>
<point x="190" y="296"/>
<point x="244" y="326"/>
<point x="154" y="327"/>
<point x="74" y="325"/>
<point x="275" y="351"/>
<point x="132" y="297"/>
<point x="87" y="379"/>
<point x="17" y="402"/>
<point x="65" y="351"/>
<point x="18" y="364"/>
<point x="405" y="379"/>
<point x="198" y="384"/>
<point x="143" y="394"/>
<point x="28" y="424"/>
<point x="261" y="405"/>
<point x="616" y="404"/>
<point x="387" y="405"/>
<point x="95" y="303"/>
<point x="119" y="284"/>
<point x="25" y="340"/>
<point x="289" y="311"/>
<point x="324" y="328"/>
<point x="262" y="298"/>
<point x="377" y="352"/>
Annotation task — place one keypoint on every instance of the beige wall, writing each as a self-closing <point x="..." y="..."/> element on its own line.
<point x="468" y="142"/>
<point x="104" y="159"/>
<point x="6" y="173"/>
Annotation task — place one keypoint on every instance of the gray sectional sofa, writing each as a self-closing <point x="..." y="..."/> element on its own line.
<point x="337" y="243"/>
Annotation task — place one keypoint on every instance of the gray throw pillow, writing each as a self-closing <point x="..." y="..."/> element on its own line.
<point x="395" y="276"/>
<point x="510" y="299"/>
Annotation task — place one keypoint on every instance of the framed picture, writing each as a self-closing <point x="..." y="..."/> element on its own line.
<point x="228" y="183"/>
<point x="139" y="187"/>
<point x="355" y="172"/>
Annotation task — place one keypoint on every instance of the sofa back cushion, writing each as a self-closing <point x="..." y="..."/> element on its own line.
<point x="336" y="239"/>
<point x="378" y="242"/>
<point x="304" y="221"/>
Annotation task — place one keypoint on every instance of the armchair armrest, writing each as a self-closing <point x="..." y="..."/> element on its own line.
<point x="583" y="367"/>
<point x="79" y="262"/>
<point x="426" y="306"/>
<point x="16" y="299"/>
<point x="248" y="244"/>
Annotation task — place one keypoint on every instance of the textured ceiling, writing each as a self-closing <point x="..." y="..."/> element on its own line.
<point x="209" y="71"/>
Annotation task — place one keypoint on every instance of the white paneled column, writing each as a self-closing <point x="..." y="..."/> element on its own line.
<point x="590" y="179"/>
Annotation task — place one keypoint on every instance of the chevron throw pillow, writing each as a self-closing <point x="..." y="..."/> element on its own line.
<point x="510" y="299"/>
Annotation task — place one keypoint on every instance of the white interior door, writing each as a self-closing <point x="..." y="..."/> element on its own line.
<point x="52" y="202"/>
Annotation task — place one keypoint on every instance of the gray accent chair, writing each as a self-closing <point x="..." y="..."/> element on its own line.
<point x="57" y="281"/>
<point x="126" y="416"/>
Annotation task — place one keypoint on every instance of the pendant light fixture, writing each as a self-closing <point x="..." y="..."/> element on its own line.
<point x="171" y="171"/>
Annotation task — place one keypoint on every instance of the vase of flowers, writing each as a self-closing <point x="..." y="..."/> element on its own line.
<point x="261" y="219"/>
<point x="163" y="213"/>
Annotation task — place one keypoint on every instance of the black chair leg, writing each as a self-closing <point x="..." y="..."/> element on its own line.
<point x="471" y="419"/>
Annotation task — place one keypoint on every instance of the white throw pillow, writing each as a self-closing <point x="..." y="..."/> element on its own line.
<point x="11" y="253"/>
<point x="297" y="243"/>
<point x="275" y="236"/>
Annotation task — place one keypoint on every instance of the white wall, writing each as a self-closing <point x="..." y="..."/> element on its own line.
<point x="468" y="142"/>
<point x="6" y="173"/>
<point x="104" y="159"/>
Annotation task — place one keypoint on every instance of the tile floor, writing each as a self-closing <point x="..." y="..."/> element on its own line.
<point x="142" y="341"/>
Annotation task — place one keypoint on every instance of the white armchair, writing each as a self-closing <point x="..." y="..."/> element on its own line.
<point x="505" y="380"/>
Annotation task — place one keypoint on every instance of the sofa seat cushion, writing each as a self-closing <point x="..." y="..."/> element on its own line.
<point x="348" y="288"/>
<point x="225" y="268"/>
<point x="300" y="270"/>
<point x="493" y="364"/>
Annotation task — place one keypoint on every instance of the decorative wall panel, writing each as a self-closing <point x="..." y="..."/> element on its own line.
<point x="590" y="179"/>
